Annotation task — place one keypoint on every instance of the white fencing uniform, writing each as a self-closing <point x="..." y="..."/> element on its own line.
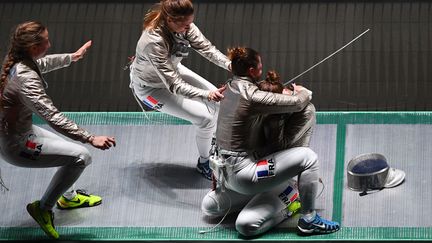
<point x="162" y="83"/>
<point x="199" y="111"/>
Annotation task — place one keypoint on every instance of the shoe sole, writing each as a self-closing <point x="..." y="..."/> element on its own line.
<point x="315" y="231"/>
<point x="46" y="232"/>
<point x="84" y="205"/>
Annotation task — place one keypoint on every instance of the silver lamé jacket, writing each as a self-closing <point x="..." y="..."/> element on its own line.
<point x="157" y="57"/>
<point x="25" y="94"/>
<point x="238" y="125"/>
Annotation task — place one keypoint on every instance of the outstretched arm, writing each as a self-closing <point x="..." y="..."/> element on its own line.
<point x="56" y="61"/>
<point x="157" y="54"/>
<point x="272" y="103"/>
<point x="33" y="95"/>
<point x="205" y="48"/>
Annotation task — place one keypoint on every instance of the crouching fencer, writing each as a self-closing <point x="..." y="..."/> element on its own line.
<point x="259" y="186"/>
<point x="26" y="145"/>
<point x="161" y="82"/>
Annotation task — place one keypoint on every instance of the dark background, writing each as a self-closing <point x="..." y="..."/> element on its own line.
<point x="390" y="68"/>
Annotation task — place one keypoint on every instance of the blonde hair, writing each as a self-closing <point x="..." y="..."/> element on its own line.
<point x="22" y="38"/>
<point x="174" y="9"/>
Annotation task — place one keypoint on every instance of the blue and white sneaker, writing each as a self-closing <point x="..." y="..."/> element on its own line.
<point x="204" y="169"/>
<point x="317" y="226"/>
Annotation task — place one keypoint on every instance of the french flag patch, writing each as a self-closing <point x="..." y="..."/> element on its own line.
<point x="152" y="103"/>
<point x="289" y="195"/>
<point x="265" y="168"/>
<point x="31" y="145"/>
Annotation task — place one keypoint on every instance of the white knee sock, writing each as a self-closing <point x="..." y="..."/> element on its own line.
<point x="309" y="216"/>
<point x="203" y="160"/>
<point x="70" y="194"/>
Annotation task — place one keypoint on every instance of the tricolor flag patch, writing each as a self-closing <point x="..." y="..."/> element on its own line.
<point x="30" y="145"/>
<point x="289" y="195"/>
<point x="152" y="103"/>
<point x="265" y="168"/>
<point x="31" y="148"/>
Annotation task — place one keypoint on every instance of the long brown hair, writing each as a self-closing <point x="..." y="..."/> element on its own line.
<point x="175" y="9"/>
<point x="22" y="38"/>
<point x="242" y="58"/>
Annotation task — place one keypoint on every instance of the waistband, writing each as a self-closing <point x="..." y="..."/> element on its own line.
<point x="232" y="153"/>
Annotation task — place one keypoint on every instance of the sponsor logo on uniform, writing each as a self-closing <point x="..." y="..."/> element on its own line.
<point x="152" y="103"/>
<point x="265" y="168"/>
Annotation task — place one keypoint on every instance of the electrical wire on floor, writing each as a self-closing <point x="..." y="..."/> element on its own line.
<point x="220" y="221"/>
<point x="3" y="187"/>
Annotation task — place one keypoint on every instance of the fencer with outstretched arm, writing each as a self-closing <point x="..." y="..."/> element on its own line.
<point x="23" y="144"/>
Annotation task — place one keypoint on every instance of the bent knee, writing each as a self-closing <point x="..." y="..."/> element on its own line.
<point x="84" y="157"/>
<point x="310" y="159"/>
<point x="207" y="122"/>
<point x="212" y="206"/>
<point x="248" y="227"/>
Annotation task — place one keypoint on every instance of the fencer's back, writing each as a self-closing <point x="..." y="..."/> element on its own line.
<point x="16" y="118"/>
<point x="236" y="119"/>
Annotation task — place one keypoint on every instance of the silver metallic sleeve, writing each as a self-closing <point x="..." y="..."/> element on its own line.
<point x="205" y="48"/>
<point x="158" y="55"/>
<point x="53" y="62"/>
<point x="33" y="95"/>
<point x="272" y="103"/>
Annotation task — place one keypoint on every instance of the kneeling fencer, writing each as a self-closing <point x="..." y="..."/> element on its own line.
<point x="259" y="186"/>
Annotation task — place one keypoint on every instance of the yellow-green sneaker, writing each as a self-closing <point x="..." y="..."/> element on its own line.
<point x="81" y="200"/>
<point x="45" y="218"/>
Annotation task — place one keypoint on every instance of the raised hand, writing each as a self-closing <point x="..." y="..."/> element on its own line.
<point x="80" y="52"/>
